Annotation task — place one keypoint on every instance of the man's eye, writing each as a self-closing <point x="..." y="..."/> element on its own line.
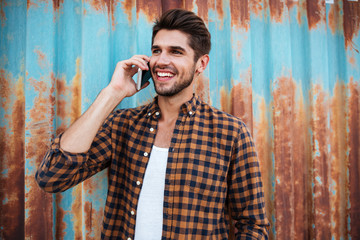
<point x="155" y="51"/>
<point x="176" y="52"/>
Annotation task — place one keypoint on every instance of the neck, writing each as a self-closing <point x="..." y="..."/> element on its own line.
<point x="170" y="106"/>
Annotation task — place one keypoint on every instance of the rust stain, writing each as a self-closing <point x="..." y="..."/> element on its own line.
<point x="264" y="149"/>
<point x="2" y="13"/>
<point x="240" y="14"/>
<point x="60" y="224"/>
<point x="76" y="93"/>
<point x="4" y="87"/>
<point x="12" y="194"/>
<point x="238" y="102"/>
<point x="93" y="218"/>
<point x="276" y="10"/>
<point x="41" y="115"/>
<point x="93" y="221"/>
<point x="225" y="100"/>
<point x="316" y="13"/>
<point x="76" y="211"/>
<point x="202" y="88"/>
<point x="127" y="6"/>
<point x="335" y="22"/>
<point x="351" y="16"/>
<point x="339" y="162"/>
<point x="283" y="120"/>
<point x="354" y="156"/>
<point x="171" y="4"/>
<point x="320" y="143"/>
<point x="108" y="6"/>
<point x="151" y="9"/>
<point x="241" y="100"/>
<point x="257" y="7"/>
<point x="42" y="60"/>
<point x="352" y="61"/>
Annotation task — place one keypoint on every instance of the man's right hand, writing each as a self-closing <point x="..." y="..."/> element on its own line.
<point x="122" y="83"/>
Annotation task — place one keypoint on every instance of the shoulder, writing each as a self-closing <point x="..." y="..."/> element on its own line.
<point x="121" y="116"/>
<point x="222" y="119"/>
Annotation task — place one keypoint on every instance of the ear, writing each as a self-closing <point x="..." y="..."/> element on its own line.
<point x="201" y="63"/>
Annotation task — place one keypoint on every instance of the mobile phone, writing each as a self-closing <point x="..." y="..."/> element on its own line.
<point x="142" y="77"/>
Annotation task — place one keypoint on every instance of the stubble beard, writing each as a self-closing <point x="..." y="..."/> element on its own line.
<point x="178" y="86"/>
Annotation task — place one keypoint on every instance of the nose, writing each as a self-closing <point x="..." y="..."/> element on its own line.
<point x="162" y="59"/>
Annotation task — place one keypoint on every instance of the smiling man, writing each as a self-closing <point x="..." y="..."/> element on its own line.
<point x="178" y="168"/>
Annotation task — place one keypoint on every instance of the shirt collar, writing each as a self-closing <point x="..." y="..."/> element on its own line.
<point x="188" y="108"/>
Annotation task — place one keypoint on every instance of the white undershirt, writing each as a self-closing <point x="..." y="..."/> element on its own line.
<point x="149" y="217"/>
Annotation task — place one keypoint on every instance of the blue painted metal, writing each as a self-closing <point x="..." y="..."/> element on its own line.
<point x="289" y="69"/>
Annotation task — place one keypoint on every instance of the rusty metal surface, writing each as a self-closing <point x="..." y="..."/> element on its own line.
<point x="289" y="69"/>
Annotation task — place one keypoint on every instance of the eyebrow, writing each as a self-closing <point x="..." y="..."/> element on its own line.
<point x="171" y="47"/>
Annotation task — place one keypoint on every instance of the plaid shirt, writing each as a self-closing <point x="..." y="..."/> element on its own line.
<point x="212" y="178"/>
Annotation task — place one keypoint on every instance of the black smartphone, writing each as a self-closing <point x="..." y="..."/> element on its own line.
<point x="142" y="77"/>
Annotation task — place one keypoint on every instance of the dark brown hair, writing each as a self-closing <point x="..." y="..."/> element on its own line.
<point x="188" y="23"/>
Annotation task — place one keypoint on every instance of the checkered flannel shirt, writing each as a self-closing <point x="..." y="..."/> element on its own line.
<point x="212" y="181"/>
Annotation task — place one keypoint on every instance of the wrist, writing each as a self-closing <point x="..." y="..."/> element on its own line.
<point x="114" y="94"/>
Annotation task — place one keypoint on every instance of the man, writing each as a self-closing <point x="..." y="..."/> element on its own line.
<point x="179" y="168"/>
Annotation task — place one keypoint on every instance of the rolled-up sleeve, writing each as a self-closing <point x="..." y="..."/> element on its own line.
<point x="61" y="170"/>
<point x="246" y="191"/>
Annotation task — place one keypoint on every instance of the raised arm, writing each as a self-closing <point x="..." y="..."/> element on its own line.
<point x="85" y="147"/>
<point x="79" y="136"/>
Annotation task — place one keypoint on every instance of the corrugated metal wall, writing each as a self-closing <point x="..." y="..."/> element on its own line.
<point x="288" y="68"/>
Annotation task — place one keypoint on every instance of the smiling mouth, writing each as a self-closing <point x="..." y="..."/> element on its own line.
<point x="165" y="74"/>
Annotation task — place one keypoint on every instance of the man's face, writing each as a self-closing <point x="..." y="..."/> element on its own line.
<point x="172" y="63"/>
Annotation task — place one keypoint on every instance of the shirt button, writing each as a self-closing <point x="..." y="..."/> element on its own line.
<point x="129" y="239"/>
<point x="138" y="183"/>
<point x="149" y="114"/>
<point x="157" y="113"/>
<point x="151" y="129"/>
<point x="132" y="213"/>
<point x="146" y="154"/>
<point x="190" y="113"/>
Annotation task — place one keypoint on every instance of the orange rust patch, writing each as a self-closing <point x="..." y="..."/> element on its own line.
<point x="238" y="102"/>
<point x="2" y="13"/>
<point x="42" y="60"/>
<point x="284" y="117"/>
<point x="351" y="17"/>
<point x="93" y="221"/>
<point x="257" y="7"/>
<point x="60" y="224"/>
<point x="202" y="88"/>
<point x="264" y="149"/>
<point x="12" y="194"/>
<point x="151" y="9"/>
<point x="339" y="162"/>
<point x="240" y="14"/>
<point x="108" y="6"/>
<point x="335" y="22"/>
<point x="5" y="79"/>
<point x="316" y="13"/>
<point x="320" y="143"/>
<point x="76" y="93"/>
<point x="171" y="4"/>
<point x="276" y="10"/>
<point x="41" y="115"/>
<point x="354" y="156"/>
<point x="76" y="210"/>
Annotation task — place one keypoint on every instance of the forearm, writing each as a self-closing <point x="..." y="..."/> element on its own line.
<point x="79" y="136"/>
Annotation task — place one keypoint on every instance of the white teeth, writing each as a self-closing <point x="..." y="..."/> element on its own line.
<point x="162" y="74"/>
